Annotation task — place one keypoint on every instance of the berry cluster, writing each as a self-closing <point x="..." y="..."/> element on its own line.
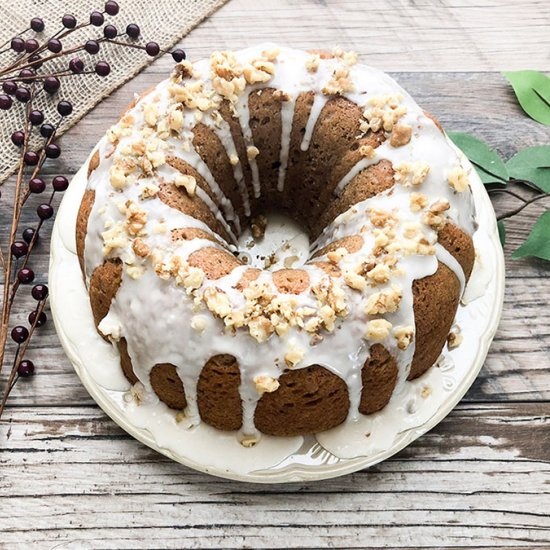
<point x="33" y="71"/>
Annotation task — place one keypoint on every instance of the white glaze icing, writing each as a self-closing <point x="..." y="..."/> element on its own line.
<point x="154" y="314"/>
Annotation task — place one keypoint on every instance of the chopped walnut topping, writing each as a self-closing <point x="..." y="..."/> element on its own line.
<point x="454" y="339"/>
<point x="272" y="54"/>
<point x="183" y="70"/>
<point x="199" y="323"/>
<point x="140" y="248"/>
<point x="194" y="278"/>
<point x="249" y="441"/>
<point x="328" y="317"/>
<point x="266" y="384"/>
<point x="117" y="177"/>
<point x="458" y="179"/>
<point x="217" y="301"/>
<point x="401" y="135"/>
<point x="418" y="201"/>
<point x="379" y="274"/>
<point x="425" y="392"/>
<point x="411" y="230"/>
<point x="114" y="237"/>
<point x="386" y="301"/>
<point x="409" y="174"/>
<point x="442" y="205"/>
<point x="378" y="329"/>
<point x="349" y="57"/>
<point x="404" y="336"/>
<point x="252" y="152"/>
<point x="433" y="220"/>
<point x="367" y="151"/>
<point x="384" y="112"/>
<point x="135" y="271"/>
<point x="136" y="393"/>
<point x="258" y="226"/>
<point x="355" y="281"/>
<point x="175" y="119"/>
<point x="340" y="83"/>
<point x="136" y="218"/>
<point x="312" y="62"/>
<point x="189" y="183"/>
<point x="149" y="191"/>
<point x="234" y="160"/>
<point x="260" y="328"/>
<point x="335" y="256"/>
<point x="260" y="70"/>
<point x="294" y="355"/>
<point x="150" y="114"/>
<point x="381" y="218"/>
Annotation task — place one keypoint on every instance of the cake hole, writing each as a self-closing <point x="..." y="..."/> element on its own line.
<point x="284" y="242"/>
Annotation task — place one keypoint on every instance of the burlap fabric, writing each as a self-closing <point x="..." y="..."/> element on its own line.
<point x="164" y="21"/>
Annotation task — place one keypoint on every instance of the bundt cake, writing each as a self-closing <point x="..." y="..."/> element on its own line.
<point x="335" y="145"/>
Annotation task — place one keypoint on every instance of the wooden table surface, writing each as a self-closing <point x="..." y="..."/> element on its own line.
<point x="71" y="478"/>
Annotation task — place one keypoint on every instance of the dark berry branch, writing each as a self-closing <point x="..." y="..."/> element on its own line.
<point x="36" y="68"/>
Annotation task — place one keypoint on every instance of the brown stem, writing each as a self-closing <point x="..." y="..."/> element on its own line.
<point x="19" y="357"/>
<point x="7" y="303"/>
<point x="524" y="205"/>
<point x="60" y="34"/>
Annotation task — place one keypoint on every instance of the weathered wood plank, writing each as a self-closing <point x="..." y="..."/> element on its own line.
<point x="85" y="482"/>
<point x="395" y="34"/>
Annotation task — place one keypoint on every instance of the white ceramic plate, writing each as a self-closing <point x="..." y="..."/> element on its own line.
<point x="419" y="407"/>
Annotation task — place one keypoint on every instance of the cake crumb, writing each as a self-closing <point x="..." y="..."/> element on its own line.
<point x="189" y="183"/>
<point x="252" y="152"/>
<point x="454" y="339"/>
<point x="258" y="226"/>
<point x="249" y="441"/>
<point x="401" y="135"/>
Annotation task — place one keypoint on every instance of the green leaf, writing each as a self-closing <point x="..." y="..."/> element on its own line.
<point x="489" y="165"/>
<point x="533" y="92"/>
<point x="538" y="242"/>
<point x="501" y="232"/>
<point x="532" y="164"/>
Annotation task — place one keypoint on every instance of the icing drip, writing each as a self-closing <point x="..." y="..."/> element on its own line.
<point x="287" y="115"/>
<point x="243" y="113"/>
<point x="155" y="314"/>
<point x="319" y="102"/>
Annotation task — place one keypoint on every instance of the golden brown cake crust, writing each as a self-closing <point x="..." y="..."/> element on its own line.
<point x="104" y="283"/>
<point x="126" y="362"/>
<point x="308" y="400"/>
<point x="219" y="400"/>
<point x="82" y="225"/>
<point x="379" y="375"/>
<point x="167" y="385"/>
<point x="435" y="300"/>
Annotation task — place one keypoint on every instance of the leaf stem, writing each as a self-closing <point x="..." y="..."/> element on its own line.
<point x="524" y="205"/>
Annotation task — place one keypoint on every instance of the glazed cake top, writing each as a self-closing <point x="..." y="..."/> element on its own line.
<point x="171" y="311"/>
